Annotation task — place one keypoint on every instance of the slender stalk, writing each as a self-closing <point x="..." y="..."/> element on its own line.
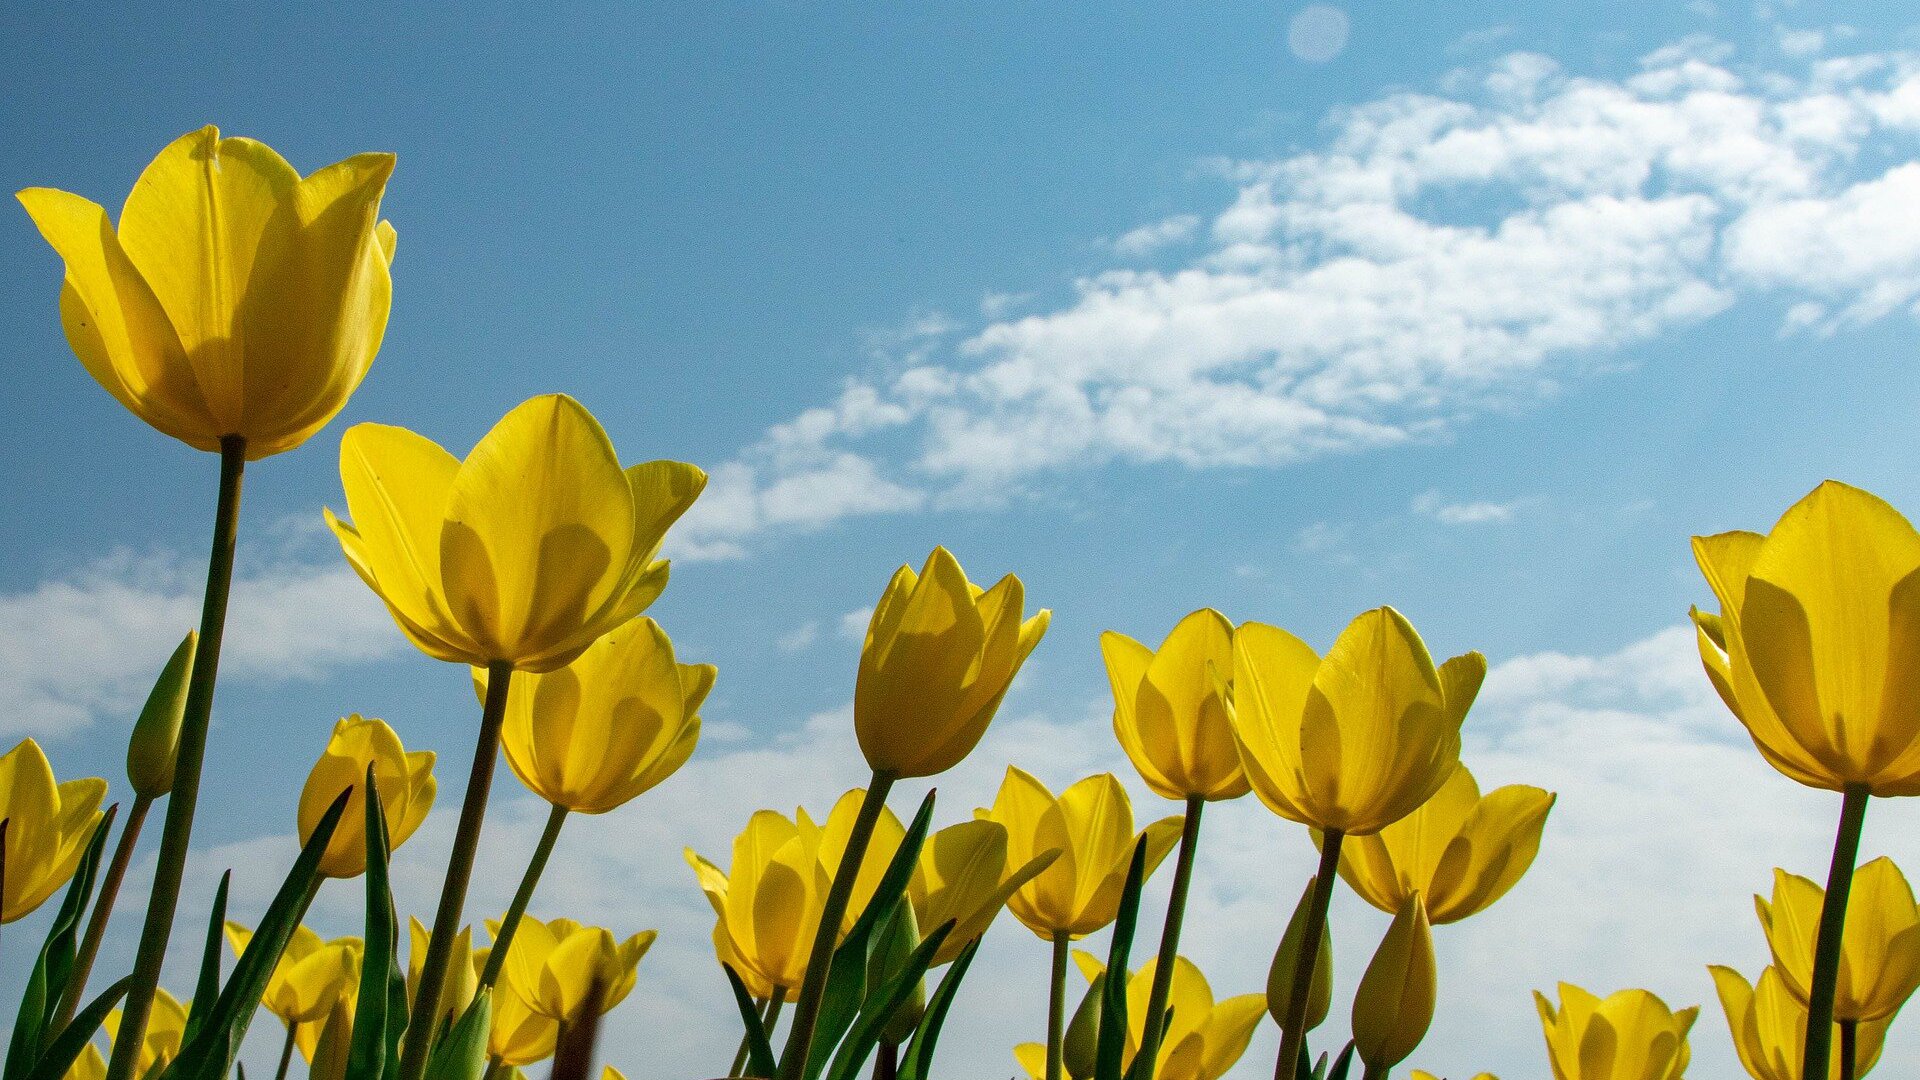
<point x="806" y="1012"/>
<point x="496" y="1069"/>
<point x="286" y="1053"/>
<point x="1057" y="1007"/>
<point x="1293" y="1034"/>
<point x="769" y="1011"/>
<point x="103" y="910"/>
<point x="1164" y="963"/>
<point x="511" y="923"/>
<point x="1849" y="1048"/>
<point x="886" y="1061"/>
<point x="1372" y="1073"/>
<point x="190" y="754"/>
<point x="453" y="893"/>
<point x="1833" y="920"/>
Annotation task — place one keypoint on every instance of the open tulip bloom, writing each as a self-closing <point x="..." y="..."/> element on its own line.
<point x="1630" y="1035"/>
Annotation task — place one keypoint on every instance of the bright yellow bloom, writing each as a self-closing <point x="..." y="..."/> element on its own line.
<point x="1204" y="1037"/>
<point x="608" y="1072"/>
<point x="1632" y="1035"/>
<point x="405" y="781"/>
<point x="90" y="1065"/>
<point x="553" y="966"/>
<point x="1357" y="740"/>
<point x="1422" y="1074"/>
<point x="1459" y="851"/>
<point x="964" y="875"/>
<point x="1091" y="826"/>
<point x="1170" y="709"/>
<point x="1394" y="1004"/>
<point x="463" y="977"/>
<point x="49" y="825"/>
<point x="518" y="1035"/>
<point x="1879" y="949"/>
<point x="310" y="976"/>
<point x="938" y="657"/>
<point x="235" y="298"/>
<point x="615" y="722"/>
<point x="524" y="553"/>
<point x="1769" y="1027"/>
<point x="768" y="903"/>
<point x="166" y="1025"/>
<point x="1811" y="649"/>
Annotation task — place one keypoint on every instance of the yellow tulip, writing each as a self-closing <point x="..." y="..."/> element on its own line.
<point x="1091" y="826"/>
<point x="90" y="1065"/>
<point x="235" y="298"/>
<point x="1354" y="741"/>
<point x="553" y="966"/>
<point x="964" y="876"/>
<point x="1204" y="1038"/>
<point x="405" y="781"/>
<point x="166" y="1025"/>
<point x="518" y="1035"/>
<point x="524" y="553"/>
<point x="938" y="657"/>
<point x="610" y="1073"/>
<point x="1631" y="1035"/>
<point x="1422" y="1074"/>
<point x="309" y="978"/>
<point x="1879" y="949"/>
<point x="1769" y="1027"/>
<point x="768" y="904"/>
<point x="1459" y="851"/>
<point x="463" y="978"/>
<point x="618" y="720"/>
<point x="49" y="825"/>
<point x="1810" y="649"/>
<point x="1394" y="1004"/>
<point x="1170" y="711"/>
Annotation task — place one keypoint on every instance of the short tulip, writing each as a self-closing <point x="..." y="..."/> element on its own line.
<point x="1631" y="1035"/>
<point x="462" y="978"/>
<point x="1394" y="1005"/>
<point x="555" y="967"/>
<point x="1204" y="1039"/>
<point x="166" y="1027"/>
<point x="965" y="877"/>
<point x="405" y="781"/>
<point x="310" y="976"/>
<point x="1769" y="1027"/>
<point x="517" y="1035"/>
<point x="1879" y="949"/>
<point x="49" y="825"/>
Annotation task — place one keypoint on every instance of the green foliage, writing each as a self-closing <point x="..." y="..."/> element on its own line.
<point x="39" y="1050"/>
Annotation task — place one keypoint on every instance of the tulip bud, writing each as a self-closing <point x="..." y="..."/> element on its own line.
<point x="336" y="1039"/>
<point x="156" y="734"/>
<point x="1394" y="1005"/>
<point x="1081" y="1046"/>
<point x="898" y="939"/>
<point x="1286" y="958"/>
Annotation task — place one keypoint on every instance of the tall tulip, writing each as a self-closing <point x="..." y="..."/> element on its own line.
<point x="1814" y="651"/>
<point x="405" y="782"/>
<point x="1348" y="743"/>
<point x="1769" y="1028"/>
<point x="516" y="559"/>
<point x="235" y="307"/>
<point x="49" y="825"/>
<point x="310" y="976"/>
<point x="1631" y="1035"/>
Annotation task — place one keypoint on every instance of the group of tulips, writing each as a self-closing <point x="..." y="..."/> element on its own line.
<point x="236" y="305"/>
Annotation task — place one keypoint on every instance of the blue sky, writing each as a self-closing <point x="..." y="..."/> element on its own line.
<point x="1481" y="315"/>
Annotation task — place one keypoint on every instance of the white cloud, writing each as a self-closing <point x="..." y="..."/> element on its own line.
<point x="1148" y="239"/>
<point x="800" y="638"/>
<point x="853" y="625"/>
<point x="1433" y="505"/>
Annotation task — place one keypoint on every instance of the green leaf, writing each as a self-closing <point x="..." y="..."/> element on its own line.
<point x="380" y="1012"/>
<point x="206" y="989"/>
<point x="54" y="966"/>
<point x="759" y="1051"/>
<point x="859" y="1044"/>
<point x="462" y="1054"/>
<point x="1082" y="1043"/>
<point x="1342" y="1063"/>
<point x="1113" y="1012"/>
<point x="918" y="1056"/>
<point x="66" y="1047"/>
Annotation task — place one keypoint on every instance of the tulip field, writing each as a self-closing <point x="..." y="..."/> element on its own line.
<point x="235" y="304"/>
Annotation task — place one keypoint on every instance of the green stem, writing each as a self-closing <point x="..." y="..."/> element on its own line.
<point x="1849" y="1048"/>
<point x="1164" y="963"/>
<point x="1371" y="1072"/>
<point x="1057" y="1007"/>
<point x="740" y="1055"/>
<point x="1293" y="1033"/>
<point x="1833" y="920"/>
<point x="497" y="1069"/>
<point x="511" y="923"/>
<point x="453" y="893"/>
<point x="886" y="1061"/>
<point x="806" y="1012"/>
<point x="103" y="910"/>
<point x="189" y="756"/>
<point x="286" y="1053"/>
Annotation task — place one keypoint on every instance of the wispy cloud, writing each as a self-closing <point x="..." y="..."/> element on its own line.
<point x="1150" y="238"/>
<point x="1434" y="505"/>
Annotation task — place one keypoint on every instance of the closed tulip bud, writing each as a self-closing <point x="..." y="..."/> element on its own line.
<point x="166" y="1027"/>
<point x="1354" y="741"/>
<point x="463" y="978"/>
<point x="1170" y="710"/>
<point x="964" y="876"/>
<point x="311" y="977"/>
<point x="328" y="1058"/>
<point x="622" y="717"/>
<point x="1204" y="1037"/>
<point x="526" y="552"/>
<point x="49" y="825"/>
<point x="939" y="654"/>
<point x="1287" y="957"/>
<point x="894" y="947"/>
<point x="405" y="781"/>
<point x="1631" y="1035"/>
<point x="1769" y="1027"/>
<point x="517" y="1035"/>
<point x="1091" y="825"/>
<point x="1879" y="949"/>
<point x="554" y="965"/>
<point x="1394" y="1005"/>
<point x="1811" y="649"/>
<point x="156" y="734"/>
<point x="1459" y="851"/>
<point x="235" y="297"/>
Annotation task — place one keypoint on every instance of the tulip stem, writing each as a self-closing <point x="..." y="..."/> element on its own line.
<point x="806" y="1013"/>
<point x="767" y="1010"/>
<point x="286" y="1053"/>
<point x="190" y="754"/>
<point x="453" y="893"/>
<point x="1849" y="1047"/>
<point x="102" y="909"/>
<point x="1833" y="919"/>
<point x="886" y="1061"/>
<point x="1057" y="1007"/>
<point x="1293" y="1033"/>
<point x="496" y="1069"/>
<point x="511" y="923"/>
<point x="1169" y="955"/>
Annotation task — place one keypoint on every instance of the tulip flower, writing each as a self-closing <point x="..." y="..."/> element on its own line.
<point x="1422" y="1074"/>
<point x="518" y="1035"/>
<point x="462" y="979"/>
<point x="1280" y="972"/>
<point x="405" y="781"/>
<point x="1394" y="1005"/>
<point x="1769" y="1027"/>
<point x="1459" y="851"/>
<point x="165" y="1030"/>
<point x="553" y="966"/>
<point x="1205" y="1038"/>
<point x="1879" y="964"/>
<point x="1631" y="1035"/>
<point x="964" y="876"/>
<point x="90" y="1065"/>
<point x="49" y="825"/>
<point x="309" y="978"/>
